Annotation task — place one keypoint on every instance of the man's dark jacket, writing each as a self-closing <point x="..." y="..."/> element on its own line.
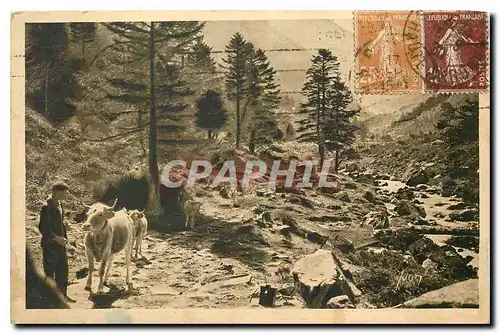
<point x="51" y="224"/>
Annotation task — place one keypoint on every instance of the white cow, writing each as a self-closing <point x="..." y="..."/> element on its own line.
<point x="109" y="233"/>
<point x="140" y="229"/>
<point x="191" y="208"/>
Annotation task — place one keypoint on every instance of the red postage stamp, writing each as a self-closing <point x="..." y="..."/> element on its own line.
<point x="456" y="49"/>
<point x="388" y="59"/>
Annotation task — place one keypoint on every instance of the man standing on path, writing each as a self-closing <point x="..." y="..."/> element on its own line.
<point x="54" y="238"/>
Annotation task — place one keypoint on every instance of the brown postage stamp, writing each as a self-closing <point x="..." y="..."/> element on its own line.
<point x="455" y="51"/>
<point x="386" y="59"/>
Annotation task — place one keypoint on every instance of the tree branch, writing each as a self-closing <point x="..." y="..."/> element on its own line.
<point x="116" y="136"/>
<point x="106" y="48"/>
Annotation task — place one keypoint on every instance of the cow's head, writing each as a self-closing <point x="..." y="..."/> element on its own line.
<point x="136" y="214"/>
<point x="97" y="215"/>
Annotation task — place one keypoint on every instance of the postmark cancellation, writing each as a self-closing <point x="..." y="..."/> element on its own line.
<point x="381" y="48"/>
<point x="419" y="51"/>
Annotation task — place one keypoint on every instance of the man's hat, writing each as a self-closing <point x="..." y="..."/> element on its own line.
<point x="59" y="185"/>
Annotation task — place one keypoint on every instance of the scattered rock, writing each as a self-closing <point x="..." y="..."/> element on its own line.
<point x="428" y="264"/>
<point x="417" y="177"/>
<point x="287" y="290"/>
<point x="82" y="273"/>
<point x="369" y="197"/>
<point x="421" y="187"/>
<point x="424" y="196"/>
<point x="376" y="219"/>
<point x="464" y="241"/>
<point x="458" y="206"/>
<point x="397" y="238"/>
<point x="405" y="208"/>
<point x="465" y="215"/>
<point x="318" y="279"/>
<point x="343" y="196"/>
<point x="451" y="263"/>
<point x="328" y="190"/>
<point x="302" y="201"/>
<point x="405" y="194"/>
<point x="259" y="209"/>
<point x="422" y="249"/>
<point x="352" y="167"/>
<point x="437" y="142"/>
<point x="316" y="238"/>
<point x="422" y="222"/>
<point x="334" y="207"/>
<point x="351" y="185"/>
<point x="339" y="302"/>
<point x="459" y="295"/>
<point x="343" y="244"/>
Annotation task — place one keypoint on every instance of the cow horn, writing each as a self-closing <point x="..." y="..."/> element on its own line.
<point x="141" y="212"/>
<point x="85" y="205"/>
<point x="114" y="204"/>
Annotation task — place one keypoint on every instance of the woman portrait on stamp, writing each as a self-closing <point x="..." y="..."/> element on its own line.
<point x="455" y="71"/>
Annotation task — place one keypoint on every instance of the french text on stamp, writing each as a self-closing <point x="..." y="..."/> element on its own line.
<point x="382" y="62"/>
<point x="455" y="51"/>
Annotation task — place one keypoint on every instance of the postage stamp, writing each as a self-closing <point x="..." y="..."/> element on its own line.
<point x="386" y="59"/>
<point x="455" y="51"/>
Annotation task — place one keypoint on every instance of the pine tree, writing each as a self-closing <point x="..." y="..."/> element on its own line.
<point x="239" y="56"/>
<point x="459" y="127"/>
<point x="211" y="114"/>
<point x="49" y="79"/>
<point x="338" y="130"/>
<point x="201" y="71"/>
<point x="265" y="100"/>
<point x="152" y="84"/>
<point x="83" y="33"/>
<point x="319" y="79"/>
<point x="250" y="83"/>
<point x="327" y="121"/>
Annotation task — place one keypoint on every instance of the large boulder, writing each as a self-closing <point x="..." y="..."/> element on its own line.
<point x="465" y="215"/>
<point x="318" y="278"/>
<point x="464" y="241"/>
<point x="399" y="239"/>
<point x="405" y="208"/>
<point x="376" y="219"/>
<point x="418" y="176"/>
<point x="352" y="167"/>
<point x="459" y="295"/>
<point x="422" y="248"/>
<point x="451" y="264"/>
<point x="405" y="194"/>
<point x="369" y="196"/>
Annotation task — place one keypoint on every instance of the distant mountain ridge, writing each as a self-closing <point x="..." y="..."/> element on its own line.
<point x="287" y="34"/>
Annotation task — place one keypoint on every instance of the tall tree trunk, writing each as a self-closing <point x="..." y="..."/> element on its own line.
<point x="154" y="194"/>
<point x="238" y="120"/>
<point x="46" y="94"/>
<point x="209" y="134"/>
<point x="251" y="143"/>
<point x="337" y="161"/>
<point x="141" y="138"/>
<point x="83" y="50"/>
<point x="321" y="150"/>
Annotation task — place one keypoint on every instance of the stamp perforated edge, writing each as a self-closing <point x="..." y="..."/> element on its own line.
<point x="359" y="91"/>
<point x="485" y="90"/>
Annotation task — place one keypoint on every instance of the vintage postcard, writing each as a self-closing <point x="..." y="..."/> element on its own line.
<point x="250" y="167"/>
